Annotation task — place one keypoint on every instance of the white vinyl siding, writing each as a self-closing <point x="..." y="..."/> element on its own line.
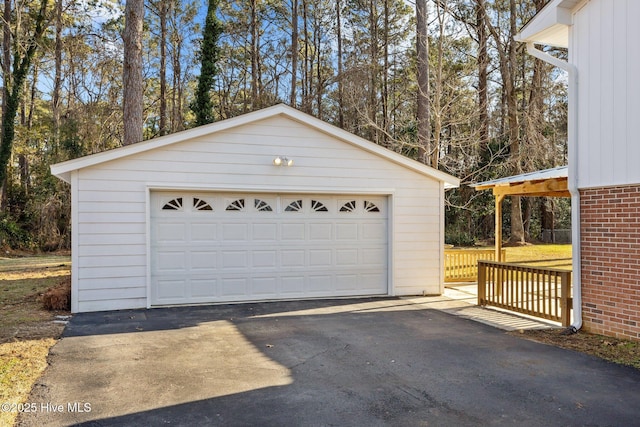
<point x="604" y="46"/>
<point x="112" y="213"/>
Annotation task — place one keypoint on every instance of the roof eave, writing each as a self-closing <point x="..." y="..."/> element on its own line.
<point x="551" y="25"/>
<point x="448" y="180"/>
<point x="63" y="170"/>
<point x="65" y="176"/>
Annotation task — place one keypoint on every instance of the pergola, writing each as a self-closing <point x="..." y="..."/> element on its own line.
<point x="545" y="183"/>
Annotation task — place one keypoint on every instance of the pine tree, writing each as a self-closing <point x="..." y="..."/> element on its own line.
<point x="132" y="79"/>
<point x="209" y="53"/>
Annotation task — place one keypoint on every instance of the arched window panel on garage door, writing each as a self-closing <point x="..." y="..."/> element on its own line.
<point x="201" y="204"/>
<point x="173" y="205"/>
<point x="318" y="206"/>
<point x="370" y="206"/>
<point x="262" y="205"/>
<point x="235" y="205"/>
<point x="349" y="206"/>
<point x="293" y="205"/>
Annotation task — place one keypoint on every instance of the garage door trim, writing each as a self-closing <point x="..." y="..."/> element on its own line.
<point x="385" y="194"/>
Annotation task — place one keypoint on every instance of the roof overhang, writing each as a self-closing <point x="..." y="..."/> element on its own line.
<point x="545" y="183"/>
<point x="550" y="26"/>
<point x="64" y="170"/>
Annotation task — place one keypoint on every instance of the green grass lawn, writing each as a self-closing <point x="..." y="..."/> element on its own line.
<point x="15" y="265"/>
<point x="555" y="256"/>
<point x="550" y="256"/>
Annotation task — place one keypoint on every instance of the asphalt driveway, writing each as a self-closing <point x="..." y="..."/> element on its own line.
<point x="366" y="362"/>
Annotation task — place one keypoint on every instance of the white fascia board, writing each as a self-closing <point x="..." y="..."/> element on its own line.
<point x="366" y="145"/>
<point x="551" y="25"/>
<point x="63" y="170"/>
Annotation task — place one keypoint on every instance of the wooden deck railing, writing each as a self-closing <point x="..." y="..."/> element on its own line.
<point x="461" y="265"/>
<point x="540" y="292"/>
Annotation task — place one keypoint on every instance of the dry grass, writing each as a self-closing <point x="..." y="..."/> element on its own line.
<point x="21" y="364"/>
<point x="27" y="331"/>
<point x="616" y="350"/>
<point x="21" y="304"/>
<point x="548" y="255"/>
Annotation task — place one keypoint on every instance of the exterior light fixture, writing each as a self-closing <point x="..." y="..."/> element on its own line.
<point x="282" y="161"/>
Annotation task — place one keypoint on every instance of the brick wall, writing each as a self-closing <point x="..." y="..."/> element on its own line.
<point x="610" y="240"/>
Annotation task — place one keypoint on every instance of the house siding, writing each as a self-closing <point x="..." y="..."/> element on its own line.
<point x="111" y="270"/>
<point x="604" y="34"/>
<point x="604" y="49"/>
<point x="603" y="45"/>
<point x="610" y="257"/>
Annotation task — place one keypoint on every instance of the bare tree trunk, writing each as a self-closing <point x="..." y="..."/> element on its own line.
<point x="526" y="218"/>
<point x="537" y="147"/>
<point x="517" y="226"/>
<point x="318" y="58"/>
<point x="483" y="63"/>
<point x="6" y="77"/>
<point x="6" y="54"/>
<point x="57" y="80"/>
<point x="340" y="86"/>
<point x="294" y="51"/>
<point x="23" y="164"/>
<point x="441" y="12"/>
<point x="508" y="64"/>
<point x="177" y="119"/>
<point x="176" y="94"/>
<point x="385" y="76"/>
<point x="132" y="72"/>
<point x="373" y="72"/>
<point x="306" y="75"/>
<point x="32" y="97"/>
<point x="422" y="47"/>
<point x="163" y="11"/>
<point x="254" y="55"/>
<point x="23" y="107"/>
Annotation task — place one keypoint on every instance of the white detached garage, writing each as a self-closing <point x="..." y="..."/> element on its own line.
<point x="274" y="204"/>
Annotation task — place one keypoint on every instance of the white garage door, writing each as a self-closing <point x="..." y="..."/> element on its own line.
<point x="209" y="247"/>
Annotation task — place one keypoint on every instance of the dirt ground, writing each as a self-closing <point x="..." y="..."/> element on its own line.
<point x="23" y="282"/>
<point x="620" y="351"/>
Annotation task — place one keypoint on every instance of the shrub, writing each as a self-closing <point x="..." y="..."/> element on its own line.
<point x="11" y="234"/>
<point x="459" y="238"/>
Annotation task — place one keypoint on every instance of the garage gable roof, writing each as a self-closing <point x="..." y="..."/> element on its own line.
<point x="550" y="26"/>
<point x="63" y="170"/>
